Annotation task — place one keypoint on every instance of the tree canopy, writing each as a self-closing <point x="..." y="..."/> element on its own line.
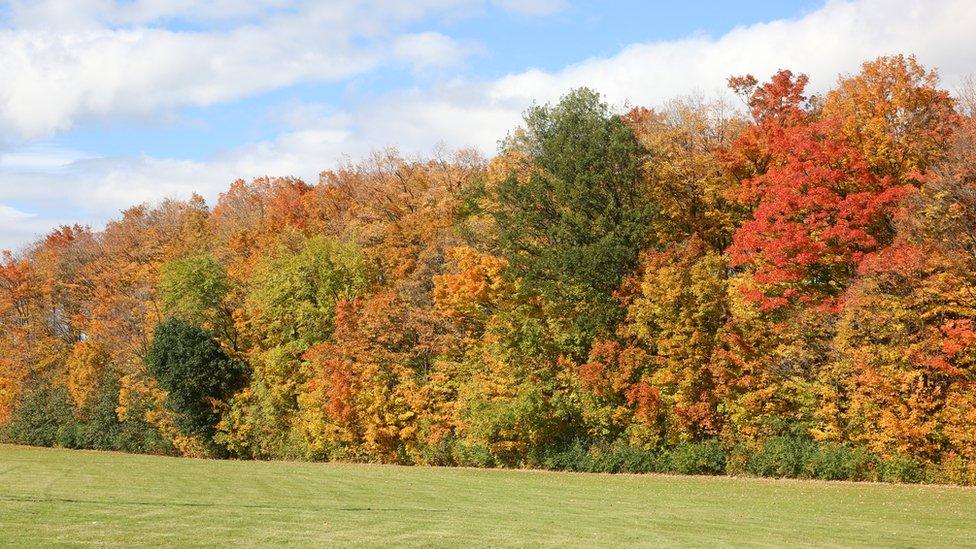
<point x="780" y="288"/>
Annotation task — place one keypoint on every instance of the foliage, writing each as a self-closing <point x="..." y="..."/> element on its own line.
<point x="195" y="289"/>
<point x="45" y="417"/>
<point x="574" y="214"/>
<point x="196" y="374"/>
<point x="895" y="114"/>
<point x="817" y="209"/>
<point x="781" y="290"/>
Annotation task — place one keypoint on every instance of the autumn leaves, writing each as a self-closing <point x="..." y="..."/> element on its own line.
<point x="672" y="276"/>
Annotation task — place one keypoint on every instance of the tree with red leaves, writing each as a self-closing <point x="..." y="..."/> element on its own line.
<point x="817" y="209"/>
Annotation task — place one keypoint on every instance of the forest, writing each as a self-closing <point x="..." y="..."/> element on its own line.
<point x="784" y="286"/>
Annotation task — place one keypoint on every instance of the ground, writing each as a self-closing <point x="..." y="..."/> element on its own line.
<point x="71" y="497"/>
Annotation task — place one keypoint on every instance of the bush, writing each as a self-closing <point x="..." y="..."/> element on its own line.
<point x="692" y="458"/>
<point x="786" y="456"/>
<point x="696" y="458"/>
<point x="572" y="457"/>
<point x="737" y="460"/>
<point x="43" y="417"/>
<point x="624" y="458"/>
<point x="900" y="469"/>
<point x="439" y="454"/>
<point x="473" y="455"/>
<point x="613" y="458"/>
<point x="99" y="427"/>
<point x="833" y="461"/>
<point x="802" y="457"/>
<point x="952" y="470"/>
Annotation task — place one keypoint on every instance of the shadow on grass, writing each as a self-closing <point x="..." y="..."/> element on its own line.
<point x="73" y="501"/>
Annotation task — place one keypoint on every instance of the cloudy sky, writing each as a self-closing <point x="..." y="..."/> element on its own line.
<point x="108" y="103"/>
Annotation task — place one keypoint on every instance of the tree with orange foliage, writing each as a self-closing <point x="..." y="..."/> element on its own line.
<point x="895" y="116"/>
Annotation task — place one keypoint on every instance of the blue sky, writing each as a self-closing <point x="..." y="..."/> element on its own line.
<point x="504" y="43"/>
<point x="109" y="103"/>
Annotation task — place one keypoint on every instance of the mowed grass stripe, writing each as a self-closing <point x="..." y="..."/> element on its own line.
<point x="65" y="497"/>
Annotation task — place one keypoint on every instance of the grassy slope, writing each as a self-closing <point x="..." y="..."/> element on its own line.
<point x="67" y="497"/>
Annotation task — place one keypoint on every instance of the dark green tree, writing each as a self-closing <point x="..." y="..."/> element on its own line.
<point x="574" y="217"/>
<point x="189" y="364"/>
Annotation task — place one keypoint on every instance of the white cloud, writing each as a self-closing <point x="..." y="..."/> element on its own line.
<point x="8" y="213"/>
<point x="17" y="228"/>
<point x="70" y="61"/>
<point x="39" y="157"/>
<point x="79" y="14"/>
<point x="834" y="39"/>
<point x="58" y="79"/>
<point x="825" y="43"/>
<point x="430" y="49"/>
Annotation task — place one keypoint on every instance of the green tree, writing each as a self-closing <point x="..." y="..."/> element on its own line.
<point x="195" y="289"/>
<point x="294" y="295"/>
<point x="574" y="216"/>
<point x="189" y="364"/>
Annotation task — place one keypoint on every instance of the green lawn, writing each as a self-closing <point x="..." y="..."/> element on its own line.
<point x="65" y="497"/>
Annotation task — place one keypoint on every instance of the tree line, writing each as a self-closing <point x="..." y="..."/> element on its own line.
<point x="784" y="289"/>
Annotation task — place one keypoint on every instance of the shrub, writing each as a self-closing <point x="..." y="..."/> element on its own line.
<point x="952" y="470"/>
<point x="833" y="461"/>
<point x="696" y="458"/>
<point x="99" y="427"/>
<point x="42" y="418"/>
<point x="572" y="457"/>
<point x="785" y="456"/>
<point x="468" y="454"/>
<point x="900" y="468"/>
<point x="624" y="458"/>
<point x="45" y="417"/>
<point x="737" y="462"/>
<point x="439" y="453"/>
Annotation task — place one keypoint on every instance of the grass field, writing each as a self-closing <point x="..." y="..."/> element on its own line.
<point x="65" y="497"/>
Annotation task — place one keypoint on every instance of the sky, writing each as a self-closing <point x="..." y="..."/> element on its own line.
<point x="105" y="104"/>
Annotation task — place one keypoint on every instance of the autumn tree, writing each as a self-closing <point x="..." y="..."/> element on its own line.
<point x="195" y="289"/>
<point x="894" y="115"/>
<point x="291" y="300"/>
<point x="817" y="209"/>
<point x="655" y="381"/>
<point x="902" y="384"/>
<point x="684" y="173"/>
